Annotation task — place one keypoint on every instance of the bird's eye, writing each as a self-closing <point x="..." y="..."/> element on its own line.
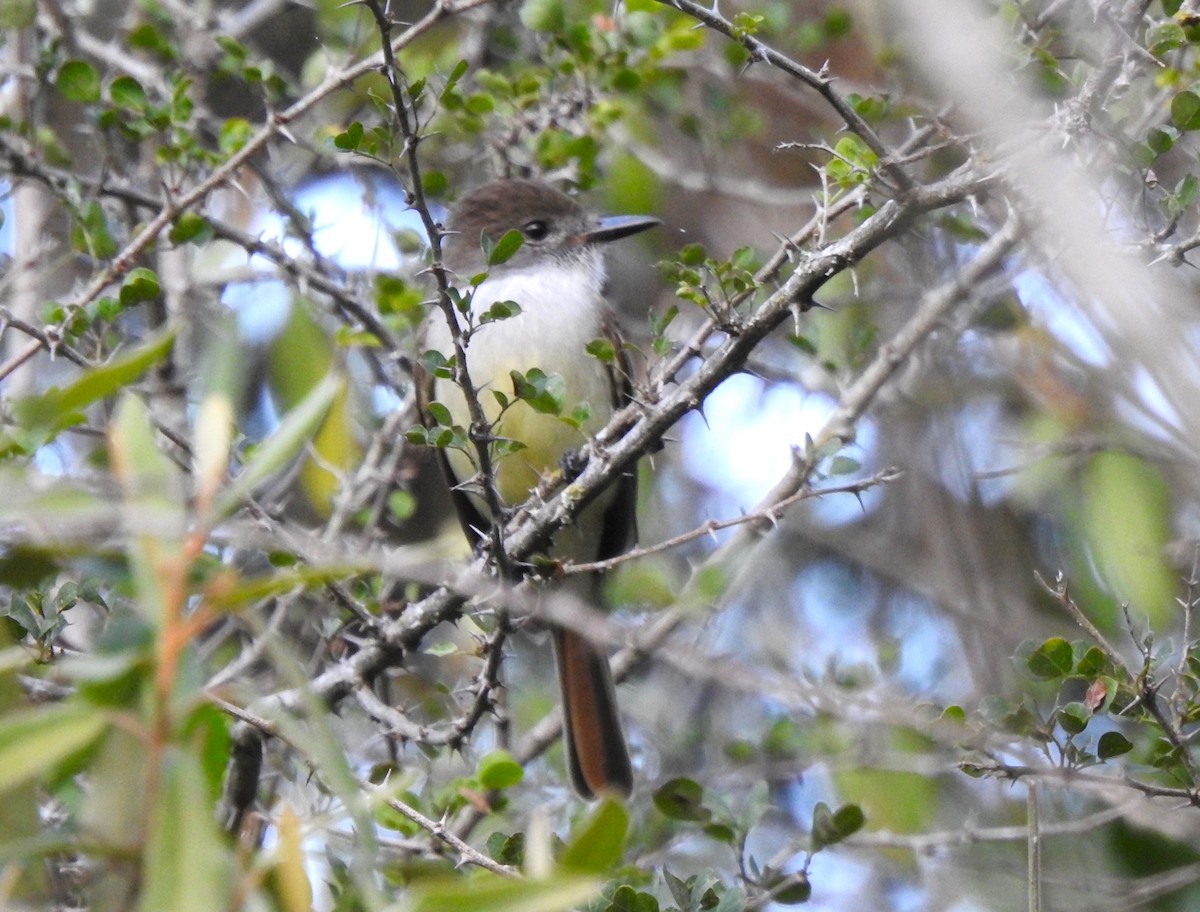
<point x="535" y="230"/>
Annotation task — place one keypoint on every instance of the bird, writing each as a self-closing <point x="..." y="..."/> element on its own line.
<point x="558" y="279"/>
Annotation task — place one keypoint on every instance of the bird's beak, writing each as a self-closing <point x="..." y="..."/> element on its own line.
<point x="615" y="227"/>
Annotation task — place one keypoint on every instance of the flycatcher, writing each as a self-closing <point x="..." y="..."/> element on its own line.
<point x="557" y="277"/>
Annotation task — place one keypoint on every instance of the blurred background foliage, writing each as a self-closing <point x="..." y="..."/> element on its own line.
<point x="964" y="627"/>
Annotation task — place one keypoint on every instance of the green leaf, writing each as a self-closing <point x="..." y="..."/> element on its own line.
<point x="186" y="866"/>
<point x="34" y="741"/>
<point x="954" y="713"/>
<point x="437" y="364"/>
<point x="626" y="899"/>
<point x="1185" y="111"/>
<point x="436" y="183"/>
<point x="682" y="799"/>
<point x="578" y="416"/>
<point x="502" y="250"/>
<point x="500" y="310"/>
<point x="1126" y="519"/>
<point x="146" y="36"/>
<point x="803" y="343"/>
<point x="109" y="378"/>
<point x="543" y="15"/>
<point x="460" y="70"/>
<point x="1165" y="36"/>
<point x="393" y="295"/>
<point x="401" y="505"/>
<point x="784" y="740"/>
<point x="235" y="133"/>
<point x="1112" y="744"/>
<point x="480" y="103"/>
<point x="831" y="827"/>
<point x="844" y="465"/>
<point x="57" y="408"/>
<point x="17" y="14"/>
<point x="848" y="820"/>
<point x="1185" y="191"/>
<point x="597" y="846"/>
<point x="350" y="138"/>
<point x="440" y="414"/>
<point x="140" y="286"/>
<point x="491" y="893"/>
<point x="659" y="324"/>
<point x="1161" y="140"/>
<point x="154" y="503"/>
<point x="798" y="890"/>
<point x="542" y="392"/>
<point x="285" y="442"/>
<point x="78" y="81"/>
<point x="498" y="770"/>
<point x="602" y="349"/>
<point x="507" y="849"/>
<point x="127" y="92"/>
<point x="506" y="446"/>
<point x="90" y="233"/>
<point x="1052" y="659"/>
<point x="1092" y="663"/>
<point x="1073" y="718"/>
<point x="188" y="226"/>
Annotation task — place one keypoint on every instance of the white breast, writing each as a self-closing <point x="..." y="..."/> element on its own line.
<point x="561" y="311"/>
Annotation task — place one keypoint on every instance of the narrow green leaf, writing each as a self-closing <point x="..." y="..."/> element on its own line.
<point x="284" y="443"/>
<point x="93" y="384"/>
<point x="490" y="893"/>
<point x="187" y="867"/>
<point x="33" y="741"/>
<point x="460" y="70"/>
<point x="154" y="506"/>
<point x="597" y="846"/>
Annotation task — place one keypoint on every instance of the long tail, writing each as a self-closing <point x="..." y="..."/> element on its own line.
<point x="596" y="752"/>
